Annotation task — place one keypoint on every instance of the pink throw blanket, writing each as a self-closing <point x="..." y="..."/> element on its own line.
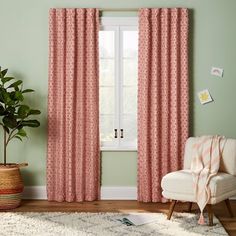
<point x="205" y="164"/>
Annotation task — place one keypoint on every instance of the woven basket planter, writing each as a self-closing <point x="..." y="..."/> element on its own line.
<point x="11" y="186"/>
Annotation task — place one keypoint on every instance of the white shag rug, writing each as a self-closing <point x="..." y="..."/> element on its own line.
<point x="105" y="224"/>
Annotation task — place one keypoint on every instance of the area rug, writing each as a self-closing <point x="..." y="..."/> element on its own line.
<point x="104" y="224"/>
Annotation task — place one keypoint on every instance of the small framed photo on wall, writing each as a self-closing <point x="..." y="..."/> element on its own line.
<point x="204" y="96"/>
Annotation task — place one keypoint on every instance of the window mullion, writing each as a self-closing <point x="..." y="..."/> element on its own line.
<point x="121" y="82"/>
<point x="117" y="90"/>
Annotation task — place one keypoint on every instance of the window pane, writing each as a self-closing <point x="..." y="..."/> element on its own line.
<point x="106" y="100"/>
<point x="130" y="44"/>
<point x="106" y="44"/>
<point x="129" y="125"/>
<point x="130" y="71"/>
<point x="122" y="98"/>
<point x="130" y="100"/>
<point x="106" y="128"/>
<point x="107" y="72"/>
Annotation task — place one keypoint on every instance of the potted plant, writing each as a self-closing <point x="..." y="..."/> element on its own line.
<point x="14" y="117"/>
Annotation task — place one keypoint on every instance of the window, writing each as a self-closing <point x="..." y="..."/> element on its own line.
<point x="118" y="50"/>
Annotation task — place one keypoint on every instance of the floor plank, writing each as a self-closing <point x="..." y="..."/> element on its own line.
<point x="220" y="209"/>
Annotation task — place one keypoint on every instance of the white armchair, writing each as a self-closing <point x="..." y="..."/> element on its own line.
<point x="178" y="185"/>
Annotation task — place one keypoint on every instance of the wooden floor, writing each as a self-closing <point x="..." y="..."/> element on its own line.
<point x="220" y="209"/>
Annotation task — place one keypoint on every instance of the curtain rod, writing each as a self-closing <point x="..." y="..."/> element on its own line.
<point x="118" y="9"/>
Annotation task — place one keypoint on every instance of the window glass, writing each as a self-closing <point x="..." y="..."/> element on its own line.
<point x="118" y="52"/>
<point x="130" y="42"/>
<point x="106" y="44"/>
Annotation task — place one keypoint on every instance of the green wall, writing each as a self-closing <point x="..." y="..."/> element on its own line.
<point x="24" y="50"/>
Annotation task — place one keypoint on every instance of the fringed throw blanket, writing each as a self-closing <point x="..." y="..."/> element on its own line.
<point x="205" y="164"/>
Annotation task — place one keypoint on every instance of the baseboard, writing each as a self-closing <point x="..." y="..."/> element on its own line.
<point x="119" y="193"/>
<point x="232" y="198"/>
<point x="107" y="193"/>
<point x="35" y="192"/>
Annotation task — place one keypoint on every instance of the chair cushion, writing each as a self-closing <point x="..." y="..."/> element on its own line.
<point x="181" y="182"/>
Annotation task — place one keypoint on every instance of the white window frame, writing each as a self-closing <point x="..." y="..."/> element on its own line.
<point x="118" y="24"/>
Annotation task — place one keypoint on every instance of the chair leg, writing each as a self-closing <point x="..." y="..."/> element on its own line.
<point x="171" y="209"/>
<point x="210" y="214"/>
<point x="190" y="204"/>
<point x="227" y="202"/>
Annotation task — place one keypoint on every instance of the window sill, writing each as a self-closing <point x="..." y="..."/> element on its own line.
<point x="118" y="149"/>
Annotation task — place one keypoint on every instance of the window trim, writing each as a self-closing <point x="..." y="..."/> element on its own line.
<point x="118" y="21"/>
<point x="118" y="24"/>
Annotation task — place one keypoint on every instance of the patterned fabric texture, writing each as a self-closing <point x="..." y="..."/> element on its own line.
<point x="162" y="97"/>
<point x="207" y="153"/>
<point x="73" y="161"/>
<point x="103" y="224"/>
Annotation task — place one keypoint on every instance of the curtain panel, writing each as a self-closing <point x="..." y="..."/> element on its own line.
<point x="73" y="158"/>
<point x="162" y="97"/>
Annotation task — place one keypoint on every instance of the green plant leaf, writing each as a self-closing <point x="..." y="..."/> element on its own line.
<point x="30" y="123"/>
<point x="3" y="73"/>
<point x="15" y="84"/>
<point x="6" y="129"/>
<point x="21" y="133"/>
<point x="34" y="112"/>
<point x="2" y="90"/>
<point x="6" y="97"/>
<point x="18" y="137"/>
<point x="2" y="110"/>
<point x="27" y="91"/>
<point x="19" y="96"/>
<point x="10" y="110"/>
<point x="19" y="126"/>
<point x="6" y="79"/>
<point x="16" y="96"/>
<point x="10" y="121"/>
<point x="12" y="95"/>
<point x="23" y="111"/>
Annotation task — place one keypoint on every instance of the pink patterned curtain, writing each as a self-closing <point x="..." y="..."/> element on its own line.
<point x="73" y="161"/>
<point x="162" y="97"/>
